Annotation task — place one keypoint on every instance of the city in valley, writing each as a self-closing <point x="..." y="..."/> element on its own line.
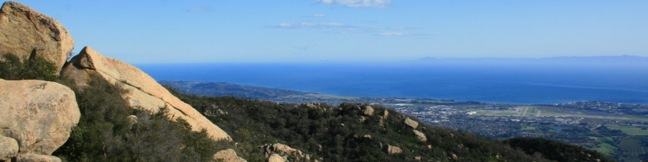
<point x="615" y="129"/>
<point x="618" y="130"/>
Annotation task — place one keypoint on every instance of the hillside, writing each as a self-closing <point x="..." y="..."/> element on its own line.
<point x="219" y="89"/>
<point x="356" y="132"/>
<point x="228" y="89"/>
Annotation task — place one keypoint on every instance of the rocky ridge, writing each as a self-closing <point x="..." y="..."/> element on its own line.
<point x="141" y="91"/>
<point x="39" y="116"/>
<point x="26" y="32"/>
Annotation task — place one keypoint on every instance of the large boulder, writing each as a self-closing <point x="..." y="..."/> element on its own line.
<point x="411" y="123"/>
<point x="227" y="155"/>
<point x="36" y="158"/>
<point x="39" y="115"/>
<point x="8" y="148"/>
<point x="368" y="110"/>
<point x="276" y="158"/>
<point x="393" y="150"/>
<point x="140" y="90"/>
<point x="420" y="135"/>
<point x="24" y="31"/>
<point x="285" y="151"/>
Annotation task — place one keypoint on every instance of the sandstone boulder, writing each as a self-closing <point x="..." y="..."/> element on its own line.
<point x="385" y="114"/>
<point x="36" y="158"/>
<point x="382" y="118"/>
<point x="132" y="119"/>
<point x="420" y="135"/>
<point x="140" y="90"/>
<point x="8" y="148"/>
<point x="454" y="157"/>
<point x="285" y="151"/>
<point x="411" y="123"/>
<point x="393" y="150"/>
<point x="39" y="115"/>
<point x="24" y="31"/>
<point x="276" y="158"/>
<point x="368" y="111"/>
<point x="228" y="155"/>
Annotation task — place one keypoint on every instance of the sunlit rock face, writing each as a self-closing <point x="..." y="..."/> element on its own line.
<point x="139" y="89"/>
<point x="38" y="115"/>
<point x="25" y="32"/>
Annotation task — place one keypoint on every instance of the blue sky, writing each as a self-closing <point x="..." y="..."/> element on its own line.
<point x="166" y="31"/>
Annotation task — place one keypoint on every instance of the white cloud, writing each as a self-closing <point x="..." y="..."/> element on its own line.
<point x="392" y="34"/>
<point x="319" y="15"/>
<point x="357" y="3"/>
<point x="337" y="27"/>
<point x="313" y="25"/>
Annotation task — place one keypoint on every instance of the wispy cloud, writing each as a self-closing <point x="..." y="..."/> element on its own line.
<point x="319" y="15"/>
<point x="199" y="9"/>
<point x="338" y="27"/>
<point x="392" y="34"/>
<point x="313" y="25"/>
<point x="357" y="3"/>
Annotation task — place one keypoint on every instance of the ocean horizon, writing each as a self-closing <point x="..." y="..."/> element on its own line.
<point x="492" y="81"/>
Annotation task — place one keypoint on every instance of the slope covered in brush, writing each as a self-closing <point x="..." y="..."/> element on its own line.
<point x="348" y="132"/>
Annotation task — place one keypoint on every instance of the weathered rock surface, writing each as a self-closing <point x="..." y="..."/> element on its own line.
<point x="393" y="150"/>
<point x="411" y="123"/>
<point x="140" y="90"/>
<point x="385" y="114"/>
<point x="36" y="158"/>
<point x="227" y="155"/>
<point x="132" y="119"/>
<point x="24" y="31"/>
<point x="420" y="135"/>
<point x="39" y="115"/>
<point x="276" y="158"/>
<point x="285" y="150"/>
<point x="368" y="111"/>
<point x="8" y="148"/>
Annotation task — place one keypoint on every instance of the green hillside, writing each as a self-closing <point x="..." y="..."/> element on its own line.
<point x="346" y="133"/>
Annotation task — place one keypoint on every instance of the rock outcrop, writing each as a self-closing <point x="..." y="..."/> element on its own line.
<point x="393" y="150"/>
<point x="420" y="135"/>
<point x="276" y="158"/>
<point x="383" y="117"/>
<point x="411" y="123"/>
<point x="285" y="152"/>
<point x="368" y="111"/>
<point x="26" y="31"/>
<point x="39" y="115"/>
<point x="37" y="158"/>
<point x="139" y="90"/>
<point x="8" y="148"/>
<point x="227" y="155"/>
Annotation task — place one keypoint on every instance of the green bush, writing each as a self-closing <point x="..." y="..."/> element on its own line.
<point x="35" y="67"/>
<point x="336" y="133"/>
<point x="104" y="132"/>
<point x="555" y="150"/>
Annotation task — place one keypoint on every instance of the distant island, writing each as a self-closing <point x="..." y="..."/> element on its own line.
<point x="608" y="58"/>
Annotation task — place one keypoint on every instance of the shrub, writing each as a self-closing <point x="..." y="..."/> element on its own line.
<point x="336" y="133"/>
<point x="34" y="67"/>
<point x="105" y="134"/>
<point x="555" y="150"/>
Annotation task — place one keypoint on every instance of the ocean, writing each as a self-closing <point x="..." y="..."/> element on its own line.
<point x="493" y="81"/>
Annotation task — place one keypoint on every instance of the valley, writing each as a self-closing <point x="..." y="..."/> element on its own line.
<point x="615" y="129"/>
<point x="620" y="134"/>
